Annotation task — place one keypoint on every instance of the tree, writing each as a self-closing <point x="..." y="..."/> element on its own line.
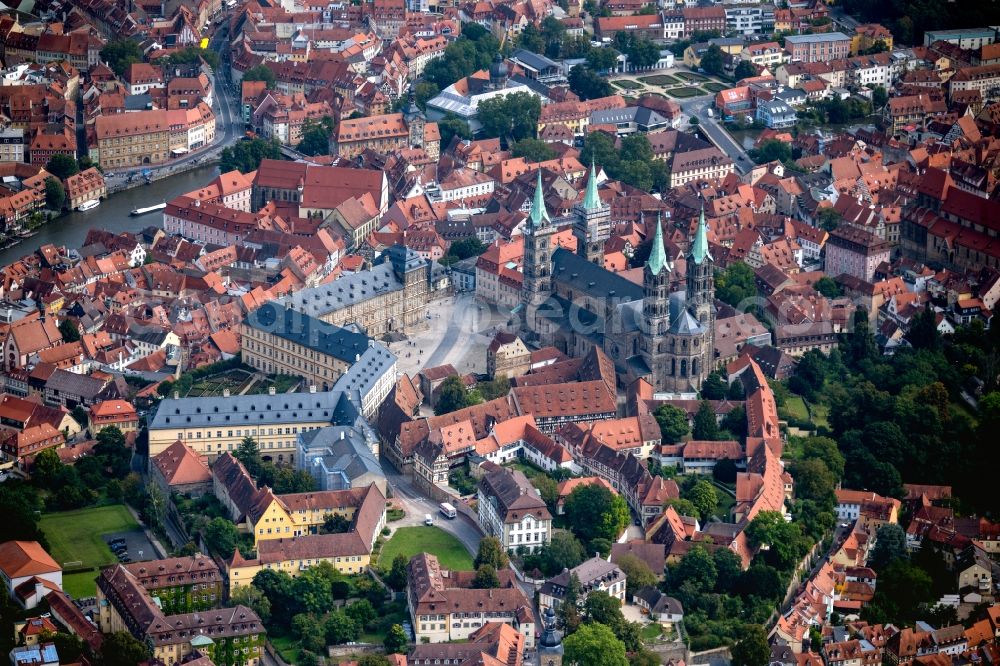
<point x="564" y="551"/>
<point x="702" y="494"/>
<point x="673" y="423"/>
<point x="783" y="539"/>
<point x="120" y="53"/>
<point x="594" y="645"/>
<point x="548" y="490"/>
<point x="397" y="574"/>
<point x="69" y="331"/>
<point x="396" y="640"/>
<point x="728" y="569"/>
<point x="335" y="523"/>
<point x="813" y="480"/>
<point x="20" y="507"/>
<point x="745" y="70"/>
<point x="363" y="613"/>
<point x="531" y="39"/>
<point x="923" y="333"/>
<point x="532" y="150"/>
<point x="588" y="84"/>
<point x="714" y="387"/>
<point x="696" y="567"/>
<point x="246" y="156"/>
<point x="55" y="194"/>
<point x="486" y="578"/>
<point x="248" y="453"/>
<point x="221" y="536"/>
<point x="47" y="468"/>
<point x="512" y="116"/>
<point x="827" y="287"/>
<point x="828" y="219"/>
<point x="637" y="574"/>
<point x="194" y="55"/>
<point x="453" y="396"/>
<point x="261" y="73"/>
<point x="340" y="628"/>
<point x="602" y="59"/>
<point x="287" y="480"/>
<point x="374" y="660"/>
<point x="879" y="97"/>
<point x="713" y="60"/>
<point x="452" y="126"/>
<point x="753" y="649"/>
<point x="316" y="137"/>
<point x="594" y="512"/>
<point x="706" y="427"/>
<point x="772" y="150"/>
<point x="69" y="647"/>
<point x="601" y="607"/>
<point x="683" y="507"/>
<point x="62" y="166"/>
<point x="890" y="546"/>
<point x="122" y="649"/>
<point x="735" y="286"/>
<point x="251" y="597"/>
<point x="491" y="552"/>
<point x="569" y="610"/>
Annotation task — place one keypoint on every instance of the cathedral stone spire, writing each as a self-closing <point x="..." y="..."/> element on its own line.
<point x="538" y="213"/>
<point x="699" y="248"/>
<point x="657" y="254"/>
<point x="591" y="200"/>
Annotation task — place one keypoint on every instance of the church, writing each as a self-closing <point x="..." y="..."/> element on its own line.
<point x="662" y="331"/>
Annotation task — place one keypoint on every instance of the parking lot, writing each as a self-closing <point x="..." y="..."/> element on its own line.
<point x="136" y="545"/>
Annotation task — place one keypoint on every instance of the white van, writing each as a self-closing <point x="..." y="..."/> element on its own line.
<point x="428" y="519"/>
<point x="448" y="510"/>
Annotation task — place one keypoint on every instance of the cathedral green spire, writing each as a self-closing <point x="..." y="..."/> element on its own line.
<point x="591" y="200"/>
<point x="657" y="255"/>
<point x="538" y="213"/>
<point x="699" y="248"/>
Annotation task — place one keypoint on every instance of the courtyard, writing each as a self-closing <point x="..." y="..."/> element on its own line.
<point x="409" y="541"/>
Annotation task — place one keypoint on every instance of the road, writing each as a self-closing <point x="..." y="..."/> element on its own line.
<point x="697" y="107"/>
<point x="417" y="506"/>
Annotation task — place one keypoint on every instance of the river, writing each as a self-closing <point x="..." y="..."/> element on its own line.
<point x="113" y="213"/>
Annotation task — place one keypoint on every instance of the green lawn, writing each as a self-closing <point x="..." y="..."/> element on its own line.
<point x="76" y="536"/>
<point x="685" y="91"/>
<point x="80" y="585"/>
<point x="651" y="631"/>
<point x="287" y="647"/>
<point x="712" y="86"/>
<point x="627" y="84"/>
<point x="659" y="80"/>
<point x="688" y="76"/>
<point x="795" y="408"/>
<point x="409" y="541"/>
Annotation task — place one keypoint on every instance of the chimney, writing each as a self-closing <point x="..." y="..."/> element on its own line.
<point x="312" y="388"/>
<point x="225" y="393"/>
<point x="271" y="390"/>
<point x="342" y="434"/>
<point x="177" y="396"/>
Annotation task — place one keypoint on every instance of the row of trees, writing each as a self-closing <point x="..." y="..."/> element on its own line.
<point x="246" y="156"/>
<point x="81" y="484"/>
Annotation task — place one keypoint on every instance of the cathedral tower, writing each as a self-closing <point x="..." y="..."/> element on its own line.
<point x="700" y="277"/>
<point x="550" y="649"/>
<point x="538" y="230"/>
<point x="656" y="309"/>
<point x="593" y="222"/>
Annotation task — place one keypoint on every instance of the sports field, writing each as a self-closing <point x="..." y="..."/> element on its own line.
<point x="76" y="542"/>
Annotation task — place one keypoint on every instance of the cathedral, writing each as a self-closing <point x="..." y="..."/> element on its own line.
<point x="662" y="331"/>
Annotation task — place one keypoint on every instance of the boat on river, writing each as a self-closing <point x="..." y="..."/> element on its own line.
<point x="148" y="209"/>
<point x="89" y="205"/>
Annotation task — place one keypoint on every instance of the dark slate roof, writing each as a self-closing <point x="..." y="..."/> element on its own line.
<point x="309" y="332"/>
<point x="591" y="279"/>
